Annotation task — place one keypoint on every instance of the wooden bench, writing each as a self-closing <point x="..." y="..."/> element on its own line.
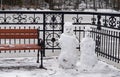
<point x="25" y="34"/>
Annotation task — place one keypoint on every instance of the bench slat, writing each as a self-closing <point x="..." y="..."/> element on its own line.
<point x="18" y="30"/>
<point x="19" y="34"/>
<point x="19" y="47"/>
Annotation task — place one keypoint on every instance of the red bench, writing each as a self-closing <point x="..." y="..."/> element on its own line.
<point x="12" y="34"/>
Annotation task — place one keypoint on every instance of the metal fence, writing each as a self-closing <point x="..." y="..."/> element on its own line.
<point x="105" y="28"/>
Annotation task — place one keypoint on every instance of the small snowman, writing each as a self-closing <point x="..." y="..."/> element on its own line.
<point x="88" y="58"/>
<point x="68" y="43"/>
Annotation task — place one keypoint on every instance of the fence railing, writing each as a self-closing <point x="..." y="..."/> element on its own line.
<point x="105" y="28"/>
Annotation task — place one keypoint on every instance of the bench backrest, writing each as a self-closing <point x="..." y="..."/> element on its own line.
<point x="19" y="33"/>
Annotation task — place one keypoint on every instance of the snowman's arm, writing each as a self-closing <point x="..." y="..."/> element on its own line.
<point x="77" y="42"/>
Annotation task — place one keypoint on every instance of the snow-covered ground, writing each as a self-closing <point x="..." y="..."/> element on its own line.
<point x="27" y="67"/>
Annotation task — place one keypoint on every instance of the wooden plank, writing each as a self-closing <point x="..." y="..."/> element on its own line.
<point x="18" y="34"/>
<point x="20" y="47"/>
<point x="18" y="30"/>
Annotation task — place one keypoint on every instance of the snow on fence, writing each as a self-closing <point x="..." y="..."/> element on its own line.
<point x="105" y="28"/>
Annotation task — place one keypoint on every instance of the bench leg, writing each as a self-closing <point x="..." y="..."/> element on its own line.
<point x="38" y="54"/>
<point x="41" y="65"/>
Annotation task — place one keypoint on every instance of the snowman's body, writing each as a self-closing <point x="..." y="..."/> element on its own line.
<point x="88" y="58"/>
<point x="69" y="55"/>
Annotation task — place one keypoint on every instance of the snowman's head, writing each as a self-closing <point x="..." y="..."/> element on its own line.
<point x="68" y="28"/>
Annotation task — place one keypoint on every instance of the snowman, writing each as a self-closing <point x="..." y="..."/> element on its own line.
<point x="88" y="58"/>
<point x="68" y="43"/>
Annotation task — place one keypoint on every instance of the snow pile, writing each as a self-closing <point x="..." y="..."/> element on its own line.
<point x="89" y="10"/>
<point x="101" y="10"/>
<point x="106" y="10"/>
<point x="68" y="42"/>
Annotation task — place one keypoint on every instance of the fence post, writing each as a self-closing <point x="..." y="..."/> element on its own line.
<point x="93" y="20"/>
<point x="44" y="34"/>
<point x="98" y="37"/>
<point x="62" y="24"/>
<point x="119" y="49"/>
<point x="99" y="22"/>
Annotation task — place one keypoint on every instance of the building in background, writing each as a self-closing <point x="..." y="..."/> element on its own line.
<point x="60" y="4"/>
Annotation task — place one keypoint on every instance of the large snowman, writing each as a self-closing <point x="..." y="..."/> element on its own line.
<point x="88" y="58"/>
<point x="68" y="42"/>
